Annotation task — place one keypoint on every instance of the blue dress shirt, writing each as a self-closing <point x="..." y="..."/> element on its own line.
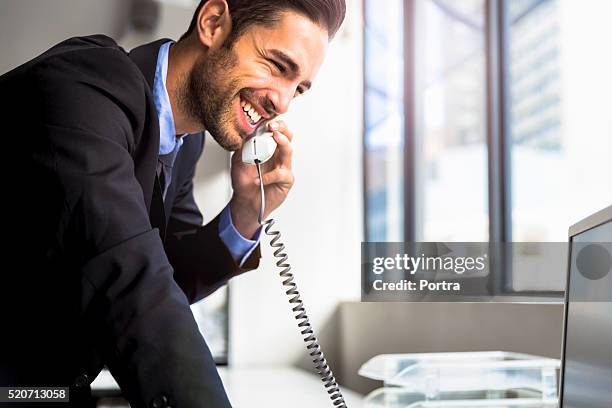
<point x="169" y="142"/>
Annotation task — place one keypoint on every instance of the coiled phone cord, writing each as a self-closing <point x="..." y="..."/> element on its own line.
<point x="313" y="347"/>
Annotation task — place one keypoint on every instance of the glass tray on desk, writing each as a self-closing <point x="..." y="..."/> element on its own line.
<point x="394" y="397"/>
<point x="432" y="374"/>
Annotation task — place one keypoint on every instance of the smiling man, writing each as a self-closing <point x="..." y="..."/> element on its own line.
<point x="101" y="147"/>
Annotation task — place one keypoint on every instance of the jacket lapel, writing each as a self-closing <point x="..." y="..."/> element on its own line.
<point x="147" y="151"/>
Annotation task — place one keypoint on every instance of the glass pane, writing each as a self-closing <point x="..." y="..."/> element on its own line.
<point x="452" y="188"/>
<point x="561" y="133"/>
<point x="384" y="120"/>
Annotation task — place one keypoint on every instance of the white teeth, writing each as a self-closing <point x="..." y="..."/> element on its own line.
<point x="250" y="112"/>
<point x="250" y="118"/>
<point x="254" y="115"/>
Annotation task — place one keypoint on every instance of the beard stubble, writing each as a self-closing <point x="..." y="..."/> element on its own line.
<point x="207" y="95"/>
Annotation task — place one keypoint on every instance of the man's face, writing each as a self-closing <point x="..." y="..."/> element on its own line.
<point x="231" y="91"/>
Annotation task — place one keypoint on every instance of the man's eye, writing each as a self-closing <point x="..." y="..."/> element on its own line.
<point x="278" y="66"/>
<point x="299" y="91"/>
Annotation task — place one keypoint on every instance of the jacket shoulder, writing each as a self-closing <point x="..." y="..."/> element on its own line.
<point x="97" y="55"/>
<point x="96" y="41"/>
<point x="64" y="48"/>
<point x="96" y="72"/>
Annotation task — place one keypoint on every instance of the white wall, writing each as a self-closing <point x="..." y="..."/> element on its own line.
<point x="29" y="27"/>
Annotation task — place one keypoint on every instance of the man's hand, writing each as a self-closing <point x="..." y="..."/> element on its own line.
<point x="277" y="178"/>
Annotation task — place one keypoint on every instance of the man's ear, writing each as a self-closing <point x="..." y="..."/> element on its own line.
<point x="214" y="24"/>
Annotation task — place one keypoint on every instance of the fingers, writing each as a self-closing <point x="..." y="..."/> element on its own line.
<point x="284" y="151"/>
<point x="280" y="126"/>
<point x="283" y="137"/>
<point x="277" y="176"/>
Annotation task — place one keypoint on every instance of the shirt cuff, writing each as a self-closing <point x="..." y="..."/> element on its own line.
<point x="239" y="247"/>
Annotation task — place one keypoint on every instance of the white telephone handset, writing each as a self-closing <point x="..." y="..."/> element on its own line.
<point x="258" y="149"/>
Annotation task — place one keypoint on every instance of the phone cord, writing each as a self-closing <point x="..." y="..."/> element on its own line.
<point x="313" y="347"/>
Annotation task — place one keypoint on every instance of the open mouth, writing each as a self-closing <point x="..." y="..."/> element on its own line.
<point x="252" y="116"/>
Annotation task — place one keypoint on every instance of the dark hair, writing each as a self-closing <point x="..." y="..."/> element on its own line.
<point x="329" y="14"/>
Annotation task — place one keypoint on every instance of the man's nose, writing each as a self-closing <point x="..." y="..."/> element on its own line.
<point x="281" y="99"/>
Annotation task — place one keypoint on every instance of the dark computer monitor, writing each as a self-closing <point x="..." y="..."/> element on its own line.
<point x="586" y="370"/>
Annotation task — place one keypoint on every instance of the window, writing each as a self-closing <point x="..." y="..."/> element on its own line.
<point x="450" y="94"/>
<point x="384" y="144"/>
<point x="495" y="128"/>
<point x="560" y="149"/>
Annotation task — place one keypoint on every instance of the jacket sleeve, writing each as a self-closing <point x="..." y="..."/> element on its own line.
<point x="90" y="104"/>
<point x="202" y="263"/>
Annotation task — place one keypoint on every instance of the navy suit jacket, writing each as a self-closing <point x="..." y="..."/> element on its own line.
<point x="99" y="270"/>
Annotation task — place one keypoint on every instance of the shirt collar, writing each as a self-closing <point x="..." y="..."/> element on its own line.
<point x="168" y="140"/>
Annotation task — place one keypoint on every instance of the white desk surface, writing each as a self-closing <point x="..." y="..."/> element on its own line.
<point x="266" y="387"/>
